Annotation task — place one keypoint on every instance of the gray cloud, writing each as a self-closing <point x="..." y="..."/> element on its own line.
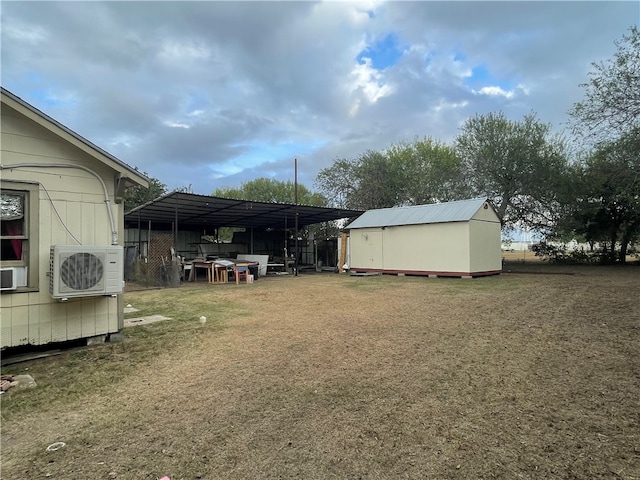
<point x="188" y="90"/>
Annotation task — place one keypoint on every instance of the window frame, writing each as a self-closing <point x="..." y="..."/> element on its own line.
<point x="30" y="235"/>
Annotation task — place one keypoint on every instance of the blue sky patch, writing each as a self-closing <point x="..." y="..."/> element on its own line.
<point x="197" y="102"/>
<point x="383" y="53"/>
<point x="482" y="77"/>
<point x="45" y="99"/>
<point x="259" y="153"/>
<point x="35" y="90"/>
<point x="459" y="57"/>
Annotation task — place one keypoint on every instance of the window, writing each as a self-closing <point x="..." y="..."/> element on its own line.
<point x="14" y="231"/>
<point x="19" y="231"/>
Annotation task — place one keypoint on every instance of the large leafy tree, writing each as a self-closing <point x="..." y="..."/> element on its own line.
<point x="272" y="191"/>
<point x="431" y="172"/>
<point x="518" y="165"/>
<point x="606" y="206"/>
<point x="611" y="106"/>
<point x="276" y="191"/>
<point x="367" y="181"/>
<point x="424" y="171"/>
<point x="338" y="182"/>
<point x="378" y="180"/>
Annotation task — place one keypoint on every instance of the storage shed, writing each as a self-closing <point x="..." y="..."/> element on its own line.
<point x="62" y="225"/>
<point x="455" y="239"/>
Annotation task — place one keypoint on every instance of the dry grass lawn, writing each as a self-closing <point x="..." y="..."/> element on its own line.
<point x="532" y="375"/>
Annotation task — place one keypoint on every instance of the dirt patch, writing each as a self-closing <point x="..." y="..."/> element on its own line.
<point x="327" y="376"/>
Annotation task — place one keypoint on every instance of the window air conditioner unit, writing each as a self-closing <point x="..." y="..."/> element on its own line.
<point x="8" y="280"/>
<point x="84" y="271"/>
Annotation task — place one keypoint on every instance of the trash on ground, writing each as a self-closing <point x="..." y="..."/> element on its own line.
<point x="10" y="381"/>
<point x="56" y="446"/>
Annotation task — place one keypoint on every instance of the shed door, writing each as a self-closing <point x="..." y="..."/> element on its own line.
<point x="367" y="250"/>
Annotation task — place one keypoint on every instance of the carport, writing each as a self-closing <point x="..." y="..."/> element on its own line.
<point x="179" y="213"/>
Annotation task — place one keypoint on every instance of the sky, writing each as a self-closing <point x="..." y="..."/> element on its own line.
<point x="202" y="95"/>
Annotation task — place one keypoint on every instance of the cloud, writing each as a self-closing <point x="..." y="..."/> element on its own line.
<point x="216" y="93"/>
<point x="177" y="53"/>
<point x="369" y="82"/>
<point x="495" y="91"/>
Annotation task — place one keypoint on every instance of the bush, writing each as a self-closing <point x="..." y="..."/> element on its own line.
<point x="559" y="255"/>
<point x="548" y="251"/>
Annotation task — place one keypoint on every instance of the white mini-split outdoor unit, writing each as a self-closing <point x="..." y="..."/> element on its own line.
<point x="83" y="271"/>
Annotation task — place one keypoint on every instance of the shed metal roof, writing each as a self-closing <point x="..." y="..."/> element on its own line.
<point x="458" y="211"/>
<point x="197" y="212"/>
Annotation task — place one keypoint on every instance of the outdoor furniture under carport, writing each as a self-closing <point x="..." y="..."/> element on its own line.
<point x="206" y="265"/>
<point x="241" y="270"/>
<point x="218" y="270"/>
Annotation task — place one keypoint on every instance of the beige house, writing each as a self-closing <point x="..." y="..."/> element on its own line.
<point x="62" y="223"/>
<point x="457" y="239"/>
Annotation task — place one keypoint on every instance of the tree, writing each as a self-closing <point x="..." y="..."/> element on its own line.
<point x="275" y="191"/>
<point x="612" y="94"/>
<point x="431" y="172"/>
<point x="272" y="191"/>
<point x="425" y="171"/>
<point x="338" y="182"/>
<point x="366" y="182"/>
<point x="519" y="166"/>
<point x="137" y="195"/>
<point x="606" y="208"/>
<point x="379" y="181"/>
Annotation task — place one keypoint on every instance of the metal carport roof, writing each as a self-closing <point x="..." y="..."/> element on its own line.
<point x="191" y="211"/>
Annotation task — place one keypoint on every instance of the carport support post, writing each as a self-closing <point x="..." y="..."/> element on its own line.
<point x="139" y="237"/>
<point x="286" y="244"/>
<point x="295" y="193"/>
<point x="175" y="227"/>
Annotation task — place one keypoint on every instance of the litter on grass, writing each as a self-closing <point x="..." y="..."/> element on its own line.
<point x="56" y="446"/>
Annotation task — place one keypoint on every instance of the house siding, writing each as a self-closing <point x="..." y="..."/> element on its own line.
<point x="34" y="317"/>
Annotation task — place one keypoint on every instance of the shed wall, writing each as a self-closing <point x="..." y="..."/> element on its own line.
<point x="365" y="246"/>
<point x="421" y="249"/>
<point x="485" y="251"/>
<point x="486" y="214"/>
<point x="439" y="247"/>
<point x="33" y="317"/>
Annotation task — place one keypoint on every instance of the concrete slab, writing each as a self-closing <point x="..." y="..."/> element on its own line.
<point x="132" y="322"/>
<point x="131" y="310"/>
